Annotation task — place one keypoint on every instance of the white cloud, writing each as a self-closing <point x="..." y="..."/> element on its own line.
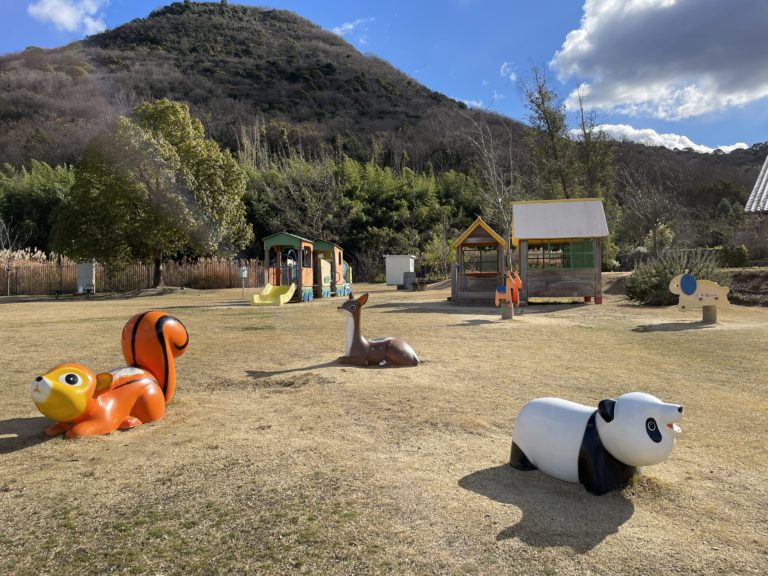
<point x="507" y="70"/>
<point x="497" y="95"/>
<point x="669" y="59"/>
<point x="351" y="27"/>
<point x="650" y="137"/>
<point x="471" y="103"/>
<point x="71" y="15"/>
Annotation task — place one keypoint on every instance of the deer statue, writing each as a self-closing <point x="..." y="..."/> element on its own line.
<point x="359" y="351"/>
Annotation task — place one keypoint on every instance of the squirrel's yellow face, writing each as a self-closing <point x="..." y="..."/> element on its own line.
<point x="62" y="394"/>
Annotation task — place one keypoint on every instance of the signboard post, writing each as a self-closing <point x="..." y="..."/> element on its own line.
<point x="243" y="278"/>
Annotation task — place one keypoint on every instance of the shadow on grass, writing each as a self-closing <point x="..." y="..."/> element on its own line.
<point x="449" y="308"/>
<point x="259" y="374"/>
<point x="20" y="433"/>
<point x="555" y="513"/>
<point x="672" y="327"/>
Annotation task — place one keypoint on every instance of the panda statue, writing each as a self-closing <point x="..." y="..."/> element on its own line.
<point x="600" y="448"/>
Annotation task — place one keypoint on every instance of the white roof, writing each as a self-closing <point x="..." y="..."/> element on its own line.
<point x="758" y="200"/>
<point x="559" y="219"/>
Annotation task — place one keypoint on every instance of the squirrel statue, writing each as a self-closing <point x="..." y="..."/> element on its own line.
<point x="86" y="404"/>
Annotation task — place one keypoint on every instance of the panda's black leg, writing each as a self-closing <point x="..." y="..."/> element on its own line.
<point x="518" y="459"/>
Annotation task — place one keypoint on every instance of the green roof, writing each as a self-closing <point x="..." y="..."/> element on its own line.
<point x="326" y="244"/>
<point x="285" y="239"/>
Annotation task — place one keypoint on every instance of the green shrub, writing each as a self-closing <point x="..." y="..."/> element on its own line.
<point x="649" y="283"/>
<point x="733" y="256"/>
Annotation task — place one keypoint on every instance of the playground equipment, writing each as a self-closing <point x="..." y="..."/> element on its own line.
<point x="86" y="404"/>
<point x="344" y="280"/>
<point x="508" y="295"/>
<point x="274" y="295"/>
<point x="600" y="448"/>
<point x="359" y="351"/>
<point x="289" y="261"/>
<point x="699" y="293"/>
<point x="479" y="268"/>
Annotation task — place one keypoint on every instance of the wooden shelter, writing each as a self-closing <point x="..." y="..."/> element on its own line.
<point x="479" y="268"/>
<point x="559" y="247"/>
<point x="289" y="259"/>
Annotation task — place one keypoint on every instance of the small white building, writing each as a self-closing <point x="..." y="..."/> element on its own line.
<point x="396" y="266"/>
<point x="86" y="277"/>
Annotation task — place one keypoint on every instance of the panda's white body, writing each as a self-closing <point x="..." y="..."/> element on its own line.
<point x="599" y="448"/>
<point x="549" y="431"/>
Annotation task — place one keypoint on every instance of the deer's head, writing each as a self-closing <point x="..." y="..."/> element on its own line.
<point x="353" y="305"/>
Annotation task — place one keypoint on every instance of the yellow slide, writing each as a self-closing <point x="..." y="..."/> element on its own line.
<point x="274" y="295"/>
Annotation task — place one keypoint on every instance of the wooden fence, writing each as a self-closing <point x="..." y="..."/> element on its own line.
<point x="46" y="277"/>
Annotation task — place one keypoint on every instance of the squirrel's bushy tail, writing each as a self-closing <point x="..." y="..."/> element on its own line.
<point x="151" y="340"/>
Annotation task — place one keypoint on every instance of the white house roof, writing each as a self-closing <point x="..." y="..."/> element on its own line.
<point x="758" y="200"/>
<point x="553" y="219"/>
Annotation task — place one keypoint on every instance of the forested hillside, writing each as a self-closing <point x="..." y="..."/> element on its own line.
<point x="234" y="65"/>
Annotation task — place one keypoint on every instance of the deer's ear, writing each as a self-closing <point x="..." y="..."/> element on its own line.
<point x="363" y="299"/>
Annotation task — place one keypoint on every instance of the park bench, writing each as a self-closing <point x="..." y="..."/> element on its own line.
<point x="87" y="291"/>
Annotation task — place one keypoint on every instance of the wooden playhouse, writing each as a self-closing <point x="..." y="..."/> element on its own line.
<point x="289" y="260"/>
<point x="559" y="248"/>
<point x="479" y="268"/>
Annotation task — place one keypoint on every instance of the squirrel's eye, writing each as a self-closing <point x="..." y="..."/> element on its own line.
<point x="71" y="379"/>
<point x="353" y="307"/>
<point x="651" y="424"/>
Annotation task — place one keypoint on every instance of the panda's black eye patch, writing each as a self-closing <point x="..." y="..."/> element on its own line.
<point x="653" y="430"/>
<point x="71" y="379"/>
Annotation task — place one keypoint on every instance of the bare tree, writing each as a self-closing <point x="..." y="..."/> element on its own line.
<point x="497" y="164"/>
<point x="648" y="200"/>
<point x="594" y="155"/>
<point x="11" y="243"/>
<point x="252" y="148"/>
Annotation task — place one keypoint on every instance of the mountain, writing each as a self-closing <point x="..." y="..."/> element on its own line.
<point x="234" y="65"/>
<point x="237" y="66"/>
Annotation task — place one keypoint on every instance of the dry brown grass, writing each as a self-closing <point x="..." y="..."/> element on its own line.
<point x="273" y="459"/>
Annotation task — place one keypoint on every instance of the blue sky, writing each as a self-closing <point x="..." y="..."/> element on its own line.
<point x="668" y="72"/>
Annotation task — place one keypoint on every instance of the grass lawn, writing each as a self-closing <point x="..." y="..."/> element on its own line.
<point x="273" y="459"/>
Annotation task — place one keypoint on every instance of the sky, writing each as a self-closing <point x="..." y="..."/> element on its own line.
<point x="675" y="73"/>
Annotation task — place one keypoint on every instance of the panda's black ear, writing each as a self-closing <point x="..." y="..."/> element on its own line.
<point x="605" y="409"/>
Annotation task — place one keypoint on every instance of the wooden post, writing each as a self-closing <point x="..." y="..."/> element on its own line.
<point x="598" y="271"/>
<point x="454" y="283"/>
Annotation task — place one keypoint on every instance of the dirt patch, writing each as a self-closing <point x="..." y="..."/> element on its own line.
<point x="749" y="287"/>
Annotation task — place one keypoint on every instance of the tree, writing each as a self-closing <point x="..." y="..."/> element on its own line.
<point x="550" y="144"/>
<point x="308" y="198"/>
<point x="594" y="156"/>
<point x="501" y="182"/>
<point x="150" y="187"/>
<point x="31" y="197"/>
<point x="649" y="201"/>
